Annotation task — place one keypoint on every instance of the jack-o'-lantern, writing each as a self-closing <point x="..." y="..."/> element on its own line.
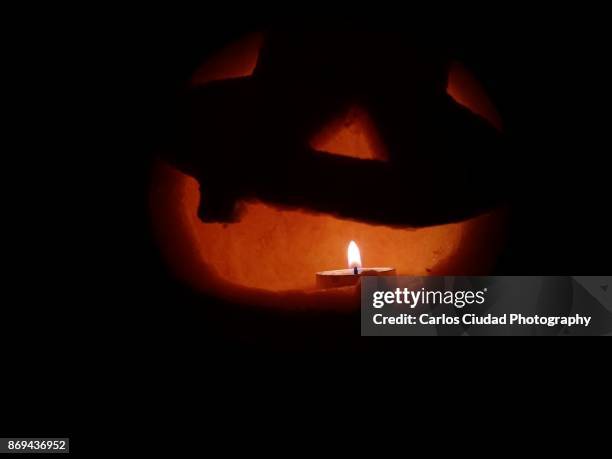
<point x="269" y="257"/>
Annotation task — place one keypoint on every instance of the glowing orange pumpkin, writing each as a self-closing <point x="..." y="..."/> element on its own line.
<point x="271" y="256"/>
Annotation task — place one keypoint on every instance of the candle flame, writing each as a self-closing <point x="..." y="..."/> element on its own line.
<point x="354" y="257"/>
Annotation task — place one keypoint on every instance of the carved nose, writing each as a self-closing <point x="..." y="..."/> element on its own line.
<point x="352" y="134"/>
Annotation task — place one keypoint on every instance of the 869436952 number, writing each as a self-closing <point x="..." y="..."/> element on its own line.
<point x="34" y="445"/>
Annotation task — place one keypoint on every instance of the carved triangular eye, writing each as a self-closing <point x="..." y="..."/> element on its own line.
<point x="236" y="60"/>
<point x="353" y="134"/>
<point x="466" y="90"/>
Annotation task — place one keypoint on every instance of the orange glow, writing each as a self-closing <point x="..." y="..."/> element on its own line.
<point x="354" y="256"/>
<point x="282" y="249"/>
<point x="353" y="135"/>
<point x="234" y="61"/>
<point x="467" y="91"/>
<point x="271" y="251"/>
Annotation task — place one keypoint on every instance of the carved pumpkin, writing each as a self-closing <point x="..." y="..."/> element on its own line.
<point x="270" y="256"/>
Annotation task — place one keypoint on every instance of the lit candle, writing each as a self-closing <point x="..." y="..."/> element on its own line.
<point x="350" y="276"/>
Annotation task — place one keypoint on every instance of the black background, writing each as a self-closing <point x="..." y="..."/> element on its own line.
<point x="95" y="309"/>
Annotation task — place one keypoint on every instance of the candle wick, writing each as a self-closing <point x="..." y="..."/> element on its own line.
<point x="355" y="271"/>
